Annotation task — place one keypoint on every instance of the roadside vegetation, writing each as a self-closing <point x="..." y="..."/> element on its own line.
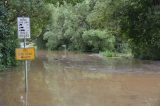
<point x="9" y="11"/>
<point x="7" y="40"/>
<point x="110" y="27"/>
<point x="113" y="26"/>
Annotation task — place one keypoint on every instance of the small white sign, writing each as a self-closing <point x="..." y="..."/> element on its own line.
<point x="23" y="27"/>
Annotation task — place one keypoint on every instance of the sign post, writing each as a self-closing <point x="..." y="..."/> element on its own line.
<point x="24" y="33"/>
<point x="24" y="53"/>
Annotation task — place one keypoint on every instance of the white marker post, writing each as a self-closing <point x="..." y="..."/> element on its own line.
<point x="24" y="33"/>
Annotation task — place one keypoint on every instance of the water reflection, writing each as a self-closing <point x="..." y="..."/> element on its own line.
<point x="94" y="62"/>
<point x="80" y="79"/>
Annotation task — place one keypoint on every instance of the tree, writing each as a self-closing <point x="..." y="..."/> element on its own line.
<point x="140" y="26"/>
<point x="35" y="9"/>
<point x="9" y="11"/>
<point x="69" y="26"/>
<point x="8" y="40"/>
<point x="62" y="1"/>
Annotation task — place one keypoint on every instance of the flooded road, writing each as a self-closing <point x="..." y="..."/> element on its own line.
<point x="78" y="79"/>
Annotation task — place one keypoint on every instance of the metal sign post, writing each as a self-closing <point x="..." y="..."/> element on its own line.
<point x="26" y="77"/>
<point x="26" y="71"/>
<point x="24" y="33"/>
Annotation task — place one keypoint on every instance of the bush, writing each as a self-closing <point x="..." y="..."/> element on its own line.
<point x="140" y="26"/>
<point x="8" y="41"/>
<point x="70" y="26"/>
<point x="108" y="53"/>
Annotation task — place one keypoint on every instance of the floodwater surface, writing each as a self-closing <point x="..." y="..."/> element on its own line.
<point x="82" y="79"/>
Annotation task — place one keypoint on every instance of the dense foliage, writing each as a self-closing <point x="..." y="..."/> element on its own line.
<point x="8" y="40"/>
<point x="35" y="9"/>
<point x="140" y="25"/>
<point x="9" y="11"/>
<point x="63" y="1"/>
<point x="73" y="26"/>
<point x="112" y="25"/>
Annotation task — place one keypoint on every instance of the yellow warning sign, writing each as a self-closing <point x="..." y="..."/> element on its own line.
<point x="25" y="53"/>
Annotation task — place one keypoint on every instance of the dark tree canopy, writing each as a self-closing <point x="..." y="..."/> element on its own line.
<point x="8" y="40"/>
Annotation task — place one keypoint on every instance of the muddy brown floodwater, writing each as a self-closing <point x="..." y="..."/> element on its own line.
<point x="79" y="79"/>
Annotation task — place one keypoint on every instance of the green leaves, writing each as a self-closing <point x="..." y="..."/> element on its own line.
<point x="72" y="25"/>
<point x="86" y="24"/>
<point x="8" y="41"/>
<point x="140" y="25"/>
<point x="99" y="40"/>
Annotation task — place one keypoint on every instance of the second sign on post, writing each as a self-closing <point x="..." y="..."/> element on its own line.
<point x="25" y="53"/>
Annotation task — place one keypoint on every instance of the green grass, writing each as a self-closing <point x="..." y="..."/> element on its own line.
<point x="108" y="53"/>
